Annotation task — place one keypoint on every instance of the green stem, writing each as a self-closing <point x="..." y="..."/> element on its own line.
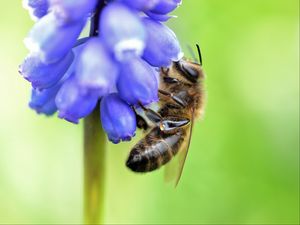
<point x="94" y="152"/>
<point x="94" y="168"/>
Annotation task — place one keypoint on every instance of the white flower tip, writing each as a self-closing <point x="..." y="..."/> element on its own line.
<point x="179" y="56"/>
<point x="35" y="49"/>
<point x="130" y="45"/>
<point x="31" y="45"/>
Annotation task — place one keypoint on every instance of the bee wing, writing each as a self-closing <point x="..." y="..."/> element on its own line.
<point x="174" y="169"/>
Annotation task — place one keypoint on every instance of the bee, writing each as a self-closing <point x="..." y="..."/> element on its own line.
<point x="181" y="96"/>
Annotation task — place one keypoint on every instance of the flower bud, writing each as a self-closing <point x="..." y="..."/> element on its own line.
<point x="122" y="30"/>
<point x="71" y="105"/>
<point x="37" y="8"/>
<point x="141" y="4"/>
<point x="50" y="40"/>
<point x="137" y="82"/>
<point x="44" y="75"/>
<point x="159" y="17"/>
<point x="43" y="101"/>
<point x="118" y="119"/>
<point x="96" y="71"/>
<point x="165" y="6"/>
<point x="162" y="45"/>
<point x="71" y="10"/>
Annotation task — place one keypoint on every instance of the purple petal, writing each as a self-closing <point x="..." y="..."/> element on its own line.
<point x="71" y="10"/>
<point x="141" y="4"/>
<point x="122" y="30"/>
<point x="162" y="45"/>
<point x="165" y="6"/>
<point x="36" y="8"/>
<point x="118" y="119"/>
<point x="44" y="101"/>
<point x="71" y="105"/>
<point x="96" y="71"/>
<point x="50" y="40"/>
<point x="44" y="75"/>
<point x="137" y="82"/>
<point x="159" y="17"/>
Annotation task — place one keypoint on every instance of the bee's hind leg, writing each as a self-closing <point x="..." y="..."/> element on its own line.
<point x="140" y="121"/>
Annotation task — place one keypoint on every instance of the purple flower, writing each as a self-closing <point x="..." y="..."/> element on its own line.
<point x="122" y="30"/>
<point x="153" y="6"/>
<point x="165" y="6"/>
<point x="162" y="44"/>
<point x="137" y="82"/>
<point x="72" y="10"/>
<point x="71" y="104"/>
<point x="96" y="71"/>
<point x="43" y="75"/>
<point x="51" y="41"/>
<point x="117" y="65"/>
<point x="43" y="101"/>
<point x="118" y="119"/>
<point x="36" y="8"/>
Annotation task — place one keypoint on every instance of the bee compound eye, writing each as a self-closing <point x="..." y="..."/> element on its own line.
<point x="190" y="70"/>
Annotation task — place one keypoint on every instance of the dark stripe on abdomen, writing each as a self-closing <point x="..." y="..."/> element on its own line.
<point x="154" y="150"/>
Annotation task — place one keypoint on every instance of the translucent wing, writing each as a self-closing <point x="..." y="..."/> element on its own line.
<point x="174" y="169"/>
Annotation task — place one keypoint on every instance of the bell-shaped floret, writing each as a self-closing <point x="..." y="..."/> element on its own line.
<point x="50" y="40"/>
<point x="71" y="105"/>
<point x="96" y="71"/>
<point x="153" y="6"/>
<point x="165" y="6"/>
<point x="141" y="4"/>
<point x="122" y="30"/>
<point x="162" y="45"/>
<point x="118" y="118"/>
<point x="159" y="17"/>
<point x="37" y="8"/>
<point x="43" y="75"/>
<point x="43" y="101"/>
<point x="72" y="10"/>
<point x="137" y="82"/>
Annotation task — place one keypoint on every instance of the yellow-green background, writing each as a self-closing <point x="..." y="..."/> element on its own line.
<point x="243" y="164"/>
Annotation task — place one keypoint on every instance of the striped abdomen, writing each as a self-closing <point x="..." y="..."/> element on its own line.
<point x="155" y="150"/>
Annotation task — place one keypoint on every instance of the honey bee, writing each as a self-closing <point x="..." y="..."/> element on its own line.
<point x="181" y="96"/>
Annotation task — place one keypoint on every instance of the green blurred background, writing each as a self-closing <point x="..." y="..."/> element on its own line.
<point x="243" y="164"/>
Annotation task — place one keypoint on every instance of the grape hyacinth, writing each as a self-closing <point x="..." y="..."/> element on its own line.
<point x="117" y="65"/>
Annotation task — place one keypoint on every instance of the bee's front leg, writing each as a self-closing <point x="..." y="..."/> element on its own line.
<point x="176" y="99"/>
<point x="167" y="124"/>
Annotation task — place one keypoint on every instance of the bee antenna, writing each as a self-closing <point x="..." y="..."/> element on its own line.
<point x="199" y="54"/>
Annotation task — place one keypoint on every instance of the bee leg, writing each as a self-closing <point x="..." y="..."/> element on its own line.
<point x="171" y="124"/>
<point x="166" y="124"/>
<point x="173" y="97"/>
<point x="151" y="114"/>
<point x="171" y="80"/>
<point x="140" y="121"/>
